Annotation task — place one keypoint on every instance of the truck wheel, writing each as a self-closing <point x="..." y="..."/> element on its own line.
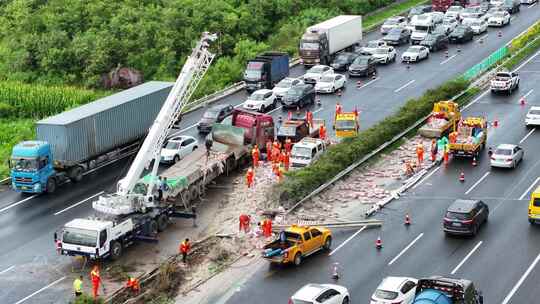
<point x="263" y="109"/>
<point x="76" y="174"/>
<point x="176" y="159"/>
<point x="346" y="300"/>
<point x="298" y="259"/>
<point x="327" y="243"/>
<point x="153" y="228"/>
<point x="162" y="222"/>
<point x="51" y="185"/>
<point x="116" y="250"/>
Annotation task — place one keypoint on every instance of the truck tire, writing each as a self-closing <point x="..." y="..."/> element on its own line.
<point x="327" y="243"/>
<point x="162" y="222"/>
<point x="153" y="228"/>
<point x="263" y="109"/>
<point x="345" y="300"/>
<point x="75" y="174"/>
<point x="51" y="185"/>
<point x="297" y="259"/>
<point x="116" y="250"/>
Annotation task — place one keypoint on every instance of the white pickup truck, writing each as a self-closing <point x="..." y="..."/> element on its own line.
<point x="504" y="81"/>
<point x="307" y="151"/>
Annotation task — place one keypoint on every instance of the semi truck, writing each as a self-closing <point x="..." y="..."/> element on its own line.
<point x="266" y="70"/>
<point x="321" y="42"/>
<point x="76" y="141"/>
<point x="441" y="5"/>
<point x="440" y="290"/>
<point x="442" y="119"/>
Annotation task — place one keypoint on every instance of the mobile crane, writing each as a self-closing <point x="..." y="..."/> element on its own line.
<point x="130" y="214"/>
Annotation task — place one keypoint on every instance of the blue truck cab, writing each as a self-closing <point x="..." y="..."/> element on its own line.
<point x="439" y="290"/>
<point x="31" y="167"/>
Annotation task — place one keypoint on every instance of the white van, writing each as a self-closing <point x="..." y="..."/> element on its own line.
<point x="306" y="151"/>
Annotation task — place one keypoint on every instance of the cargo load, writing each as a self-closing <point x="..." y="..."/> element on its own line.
<point x="442" y="119"/>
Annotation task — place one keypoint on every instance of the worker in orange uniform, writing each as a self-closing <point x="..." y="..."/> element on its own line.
<point x="244" y="220"/>
<point x="288" y="144"/>
<point x="338" y="108"/>
<point x="275" y="152"/>
<point x="267" y="227"/>
<point x="309" y="117"/>
<point x="255" y="155"/>
<point x="445" y="155"/>
<point x="249" y="177"/>
<point x="434" y="150"/>
<point x="269" y="150"/>
<point x="185" y="247"/>
<point x="322" y="132"/>
<point x="285" y="159"/>
<point x="453" y="137"/>
<point x="355" y="111"/>
<point x="133" y="285"/>
<point x="96" y="280"/>
<point x="420" y="153"/>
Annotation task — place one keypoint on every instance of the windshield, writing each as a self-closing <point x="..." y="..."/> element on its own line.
<point x="413" y="49"/>
<point x="342" y="58"/>
<point x="534" y="112"/>
<point x="503" y="152"/>
<point x="287" y="131"/>
<point x="285" y="83"/>
<point x="421" y="28"/>
<point x="294" y="93"/>
<point x="454" y="9"/>
<point x="345" y="125"/>
<point x="459" y="30"/>
<point x="23" y="164"/>
<point x="498" y="14"/>
<point x="373" y="44"/>
<point x="361" y="61"/>
<point x="312" y="46"/>
<point x="81" y="237"/>
<point x="172" y="145"/>
<point x="254" y="70"/>
<point x="381" y="51"/>
<point x="457" y="215"/>
<point x="211" y="114"/>
<point x="316" y="69"/>
<point x="430" y="38"/>
<point x="301" y="151"/>
<point x="327" y="79"/>
<point x="476" y="23"/>
<point x="385" y="294"/>
<point x="257" y="96"/>
<point x="395" y="32"/>
<point x="416" y="10"/>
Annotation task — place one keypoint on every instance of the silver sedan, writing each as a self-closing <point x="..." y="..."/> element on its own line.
<point x="506" y="156"/>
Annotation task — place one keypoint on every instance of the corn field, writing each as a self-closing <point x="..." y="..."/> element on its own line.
<point x="12" y="132"/>
<point x="37" y="101"/>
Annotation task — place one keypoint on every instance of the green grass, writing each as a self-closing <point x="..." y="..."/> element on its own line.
<point x="394" y="9"/>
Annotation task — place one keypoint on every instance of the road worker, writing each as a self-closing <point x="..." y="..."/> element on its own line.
<point x="244" y="220"/>
<point x="267" y="227"/>
<point x="289" y="115"/>
<point x="185" y="247"/>
<point x="322" y="132"/>
<point x="452" y="136"/>
<point x="434" y="150"/>
<point x="409" y="170"/>
<point x="288" y="144"/>
<point x="275" y="152"/>
<point x="285" y="159"/>
<point x="338" y="108"/>
<point x="133" y="285"/>
<point x="420" y="153"/>
<point x="77" y="286"/>
<point x="446" y="155"/>
<point x="269" y="150"/>
<point x="355" y="111"/>
<point x="96" y="280"/>
<point x="309" y="118"/>
<point x="249" y="177"/>
<point x="255" y="155"/>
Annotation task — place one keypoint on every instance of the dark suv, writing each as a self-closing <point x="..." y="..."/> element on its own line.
<point x="299" y="96"/>
<point x="363" y="66"/>
<point x="461" y="33"/>
<point x="214" y="114"/>
<point x="435" y="41"/>
<point x="465" y="217"/>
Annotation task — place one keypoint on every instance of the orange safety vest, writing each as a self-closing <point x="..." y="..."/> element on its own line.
<point x="185" y="247"/>
<point x="338" y="109"/>
<point x="419" y="149"/>
<point x="322" y="132"/>
<point x="133" y="283"/>
<point x="94" y="275"/>
<point x="255" y="152"/>
<point x="288" y="144"/>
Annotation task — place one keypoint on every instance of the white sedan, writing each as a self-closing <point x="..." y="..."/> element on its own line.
<point x="479" y="26"/>
<point x="261" y="100"/>
<point x="395" y="290"/>
<point x="177" y="148"/>
<point x="384" y="54"/>
<point x="321" y="293"/>
<point x="330" y="83"/>
<point x="533" y="117"/>
<point x="315" y="73"/>
<point x="415" y="53"/>
<point x="499" y="19"/>
<point x="506" y="156"/>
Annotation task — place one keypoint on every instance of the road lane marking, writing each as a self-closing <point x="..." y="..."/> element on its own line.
<point x="17" y="203"/>
<point x="77" y="204"/>
<point x="483" y="37"/>
<point x="532" y="4"/>
<point x="406" y="248"/>
<point x="320" y="109"/>
<point x="7" y="269"/>
<point x="466" y="258"/>
<point x="477" y="182"/>
<point x="521" y="280"/>
<point x="529" y="189"/>
<point x="448" y="59"/>
<point x="369" y="82"/>
<point x="404" y="86"/>
<point x="528" y="93"/>
<point x="185" y="129"/>
<point x="347" y="240"/>
<point x="42" y="289"/>
<point x="526" y="136"/>
<point x="278" y="108"/>
<point x="475" y="100"/>
<point x="426" y="177"/>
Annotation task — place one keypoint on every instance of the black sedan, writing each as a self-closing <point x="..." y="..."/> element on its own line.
<point x="398" y="36"/>
<point x="299" y="96"/>
<point x="343" y="61"/>
<point x="462" y="33"/>
<point x="435" y="42"/>
<point x="363" y="66"/>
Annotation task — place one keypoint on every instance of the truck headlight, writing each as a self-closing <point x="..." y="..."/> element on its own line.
<point x="37" y="186"/>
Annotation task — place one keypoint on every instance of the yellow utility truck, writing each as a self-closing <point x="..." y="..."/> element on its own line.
<point x="442" y="120"/>
<point x="470" y="137"/>
<point x="346" y="124"/>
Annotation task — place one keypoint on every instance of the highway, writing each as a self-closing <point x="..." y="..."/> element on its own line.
<point x="27" y="223"/>
<point x="501" y="260"/>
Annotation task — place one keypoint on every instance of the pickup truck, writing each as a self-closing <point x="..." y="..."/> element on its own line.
<point x="439" y="290"/>
<point x="297" y="242"/>
<point x="505" y="81"/>
<point x="469" y="138"/>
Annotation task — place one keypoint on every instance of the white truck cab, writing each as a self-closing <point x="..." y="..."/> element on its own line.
<point x="423" y="25"/>
<point x="87" y="237"/>
<point x="306" y="151"/>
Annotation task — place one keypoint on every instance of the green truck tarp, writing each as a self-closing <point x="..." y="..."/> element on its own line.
<point x="172" y="183"/>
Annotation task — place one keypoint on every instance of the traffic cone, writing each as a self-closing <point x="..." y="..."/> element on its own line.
<point x="280" y="120"/>
<point x="359" y="84"/>
<point x="374" y="76"/>
<point x="289" y="115"/>
<point x="495" y="123"/>
<point x="378" y="243"/>
<point x="407" y="220"/>
<point x="522" y="101"/>
<point x="335" y="272"/>
<point x="458" y="50"/>
<point x="474" y="161"/>
<point x="446" y="53"/>
<point x="462" y="176"/>
<point x="339" y="93"/>
<point x="499" y="34"/>
<point x="318" y="99"/>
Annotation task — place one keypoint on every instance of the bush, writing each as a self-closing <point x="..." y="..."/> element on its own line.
<point x="86" y="299"/>
<point x="338" y="157"/>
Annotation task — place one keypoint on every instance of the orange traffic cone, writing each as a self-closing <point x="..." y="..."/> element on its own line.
<point x="522" y="101"/>
<point x="374" y="75"/>
<point x="280" y="119"/>
<point x="407" y="220"/>
<point x="495" y="123"/>
<point x="318" y="100"/>
<point x="359" y="84"/>
<point x="499" y="34"/>
<point x="474" y="161"/>
<point x="289" y="115"/>
<point x="446" y="53"/>
<point x="339" y="93"/>
<point x="378" y="243"/>
<point x="335" y="271"/>
<point x="462" y="176"/>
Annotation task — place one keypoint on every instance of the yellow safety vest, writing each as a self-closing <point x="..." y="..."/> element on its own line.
<point x="77" y="285"/>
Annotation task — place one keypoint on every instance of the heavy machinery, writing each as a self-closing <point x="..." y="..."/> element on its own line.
<point x="442" y="120"/>
<point x="128" y="214"/>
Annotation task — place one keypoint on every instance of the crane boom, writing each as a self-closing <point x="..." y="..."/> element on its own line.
<point x="125" y="200"/>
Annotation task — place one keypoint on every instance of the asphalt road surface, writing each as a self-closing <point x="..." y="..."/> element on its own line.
<point x="30" y="268"/>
